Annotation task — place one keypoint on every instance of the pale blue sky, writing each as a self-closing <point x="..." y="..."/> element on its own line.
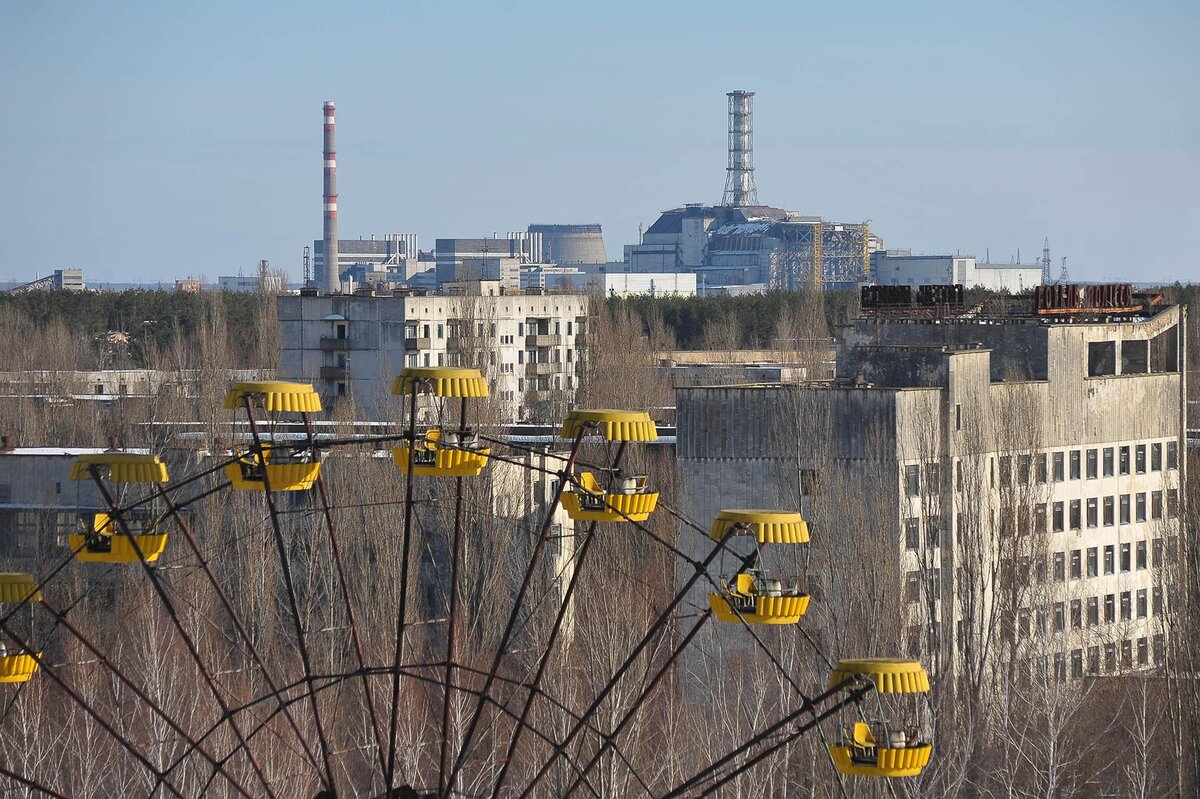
<point x="153" y="140"/>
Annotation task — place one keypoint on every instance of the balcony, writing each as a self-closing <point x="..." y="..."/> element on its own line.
<point x="551" y="340"/>
<point x="329" y="344"/>
<point x="333" y="373"/>
<point x="418" y="343"/>
<point x="541" y="369"/>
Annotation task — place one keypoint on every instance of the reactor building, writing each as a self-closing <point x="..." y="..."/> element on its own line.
<point x="744" y="245"/>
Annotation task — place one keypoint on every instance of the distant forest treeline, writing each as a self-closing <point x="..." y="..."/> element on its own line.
<point x="140" y="328"/>
<point x="150" y="323"/>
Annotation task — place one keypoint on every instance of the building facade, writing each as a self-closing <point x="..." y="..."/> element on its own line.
<point x="529" y="346"/>
<point x="392" y="253"/>
<point x="1025" y="474"/>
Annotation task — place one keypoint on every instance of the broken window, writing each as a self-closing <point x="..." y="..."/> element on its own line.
<point x="1102" y="358"/>
<point x="1164" y="351"/>
<point x="1135" y="357"/>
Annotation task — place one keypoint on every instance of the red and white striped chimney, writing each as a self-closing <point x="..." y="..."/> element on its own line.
<point x="331" y="280"/>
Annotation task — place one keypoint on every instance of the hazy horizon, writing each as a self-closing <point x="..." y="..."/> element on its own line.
<point x="149" y="142"/>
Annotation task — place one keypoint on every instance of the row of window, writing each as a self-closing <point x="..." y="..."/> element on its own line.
<point x="1114" y="460"/>
<point x="454" y="358"/>
<point x="1043" y="467"/>
<point x="1110" y="657"/>
<point x="1110" y="510"/>
<point x="1112" y="650"/>
<point x="1139" y="604"/>
<point x="1131" y="554"/>
<point x="1066" y="515"/>
<point x="1024" y="569"/>
<point x="454" y="329"/>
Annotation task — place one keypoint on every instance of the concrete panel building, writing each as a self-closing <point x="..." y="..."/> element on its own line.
<point x="1015" y="468"/>
<point x="528" y="346"/>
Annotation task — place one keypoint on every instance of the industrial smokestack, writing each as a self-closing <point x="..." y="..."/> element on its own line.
<point x="331" y="280"/>
<point x="739" y="180"/>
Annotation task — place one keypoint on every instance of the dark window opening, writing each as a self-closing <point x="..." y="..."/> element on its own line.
<point x="1135" y="357"/>
<point x="1102" y="358"/>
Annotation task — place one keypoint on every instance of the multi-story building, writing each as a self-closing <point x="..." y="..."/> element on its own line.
<point x="529" y="346"/>
<point x="1017" y="474"/>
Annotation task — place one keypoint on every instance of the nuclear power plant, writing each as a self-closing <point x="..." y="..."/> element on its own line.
<point x="737" y="246"/>
<point x="741" y="245"/>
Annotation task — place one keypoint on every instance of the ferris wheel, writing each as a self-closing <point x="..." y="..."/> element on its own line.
<point x="335" y="678"/>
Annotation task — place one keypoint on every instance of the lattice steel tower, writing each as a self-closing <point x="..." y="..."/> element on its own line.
<point x="739" y="182"/>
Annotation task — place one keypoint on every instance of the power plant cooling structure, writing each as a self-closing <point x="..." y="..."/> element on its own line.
<point x="739" y="181"/>
<point x="330" y="280"/>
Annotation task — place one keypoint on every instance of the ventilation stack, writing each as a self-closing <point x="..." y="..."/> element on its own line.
<point x="331" y="279"/>
<point x="739" y="181"/>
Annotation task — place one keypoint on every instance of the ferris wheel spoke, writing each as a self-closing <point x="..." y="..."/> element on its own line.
<point x="641" y="698"/>
<point x="544" y="660"/>
<point x="699" y="569"/>
<point x="104" y="723"/>
<point x="344" y="583"/>
<point x="289" y="583"/>
<point x="451" y="623"/>
<point x="517" y="604"/>
<point x="235" y="619"/>
<point x="415" y="672"/>
<point x="853" y="690"/>
<point x="61" y="619"/>
<point x="30" y="783"/>
<point x="177" y="623"/>
<point x="389" y="770"/>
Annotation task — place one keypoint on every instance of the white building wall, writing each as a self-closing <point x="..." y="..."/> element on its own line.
<point x="355" y="346"/>
<point x="1002" y="277"/>
<point x="916" y="270"/>
<point x="659" y="284"/>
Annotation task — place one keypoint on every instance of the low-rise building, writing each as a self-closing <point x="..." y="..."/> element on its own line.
<point x="899" y="268"/>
